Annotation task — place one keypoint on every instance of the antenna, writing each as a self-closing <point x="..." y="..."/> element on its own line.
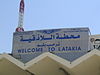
<point x="21" y="17"/>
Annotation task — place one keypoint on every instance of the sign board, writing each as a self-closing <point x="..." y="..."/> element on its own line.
<point x="58" y="41"/>
<point x="95" y="41"/>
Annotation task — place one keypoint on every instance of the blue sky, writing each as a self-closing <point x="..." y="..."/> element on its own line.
<point x="47" y="14"/>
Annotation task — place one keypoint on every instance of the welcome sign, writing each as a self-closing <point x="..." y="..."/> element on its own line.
<point x="58" y="41"/>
